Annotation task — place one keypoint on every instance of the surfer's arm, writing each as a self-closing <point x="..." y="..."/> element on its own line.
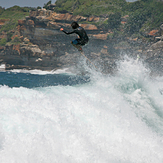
<point x="67" y="33"/>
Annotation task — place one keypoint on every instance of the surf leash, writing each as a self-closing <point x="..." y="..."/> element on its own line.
<point x="90" y="61"/>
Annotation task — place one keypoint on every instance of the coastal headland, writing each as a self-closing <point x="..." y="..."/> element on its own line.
<point x="41" y="45"/>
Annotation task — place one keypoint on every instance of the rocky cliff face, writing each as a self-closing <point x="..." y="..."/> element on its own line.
<point x="44" y="46"/>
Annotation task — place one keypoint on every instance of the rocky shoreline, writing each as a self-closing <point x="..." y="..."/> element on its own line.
<point x="42" y="46"/>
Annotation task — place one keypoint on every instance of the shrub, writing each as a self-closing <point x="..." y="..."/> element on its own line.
<point x="9" y="25"/>
<point x="133" y="6"/>
<point x="9" y="35"/>
<point x="14" y="8"/>
<point x="136" y="21"/>
<point x="1" y="10"/>
<point x="114" y="20"/>
<point x="3" y="41"/>
<point x="38" y="7"/>
<point x="46" y="5"/>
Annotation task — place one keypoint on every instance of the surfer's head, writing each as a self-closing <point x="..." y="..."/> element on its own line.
<point x="74" y="25"/>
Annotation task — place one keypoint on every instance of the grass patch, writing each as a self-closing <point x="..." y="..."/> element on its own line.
<point x="3" y="42"/>
<point x="13" y="14"/>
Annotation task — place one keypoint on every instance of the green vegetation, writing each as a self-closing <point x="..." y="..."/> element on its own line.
<point x="16" y="40"/>
<point x="114" y="20"/>
<point x="89" y="7"/>
<point x="141" y="12"/>
<point x="11" y="24"/>
<point x="46" y="5"/>
<point x="1" y="10"/>
<point x="3" y="41"/>
<point x="13" y="14"/>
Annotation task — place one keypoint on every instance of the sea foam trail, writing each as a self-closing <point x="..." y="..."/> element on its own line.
<point x="115" y="119"/>
<point x="40" y="72"/>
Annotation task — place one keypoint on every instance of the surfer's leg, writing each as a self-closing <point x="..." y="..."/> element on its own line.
<point x="77" y="45"/>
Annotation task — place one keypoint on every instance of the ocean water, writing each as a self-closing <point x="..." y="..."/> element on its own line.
<point x="96" y="118"/>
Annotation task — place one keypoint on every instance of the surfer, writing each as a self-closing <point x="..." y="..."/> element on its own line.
<point x="83" y="38"/>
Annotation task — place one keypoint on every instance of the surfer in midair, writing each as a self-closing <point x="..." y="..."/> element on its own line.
<point x="83" y="38"/>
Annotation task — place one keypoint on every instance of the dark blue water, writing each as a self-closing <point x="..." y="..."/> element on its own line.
<point x="33" y="80"/>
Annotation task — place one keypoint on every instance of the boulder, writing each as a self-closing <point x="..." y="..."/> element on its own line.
<point x="101" y="36"/>
<point x="30" y="23"/>
<point x="22" y="21"/>
<point x="89" y="27"/>
<point x="154" y="33"/>
<point x="26" y="40"/>
<point x="156" y="46"/>
<point x="34" y="49"/>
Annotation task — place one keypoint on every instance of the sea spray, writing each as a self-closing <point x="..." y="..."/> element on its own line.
<point x="111" y="118"/>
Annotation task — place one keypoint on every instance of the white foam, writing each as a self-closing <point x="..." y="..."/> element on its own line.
<point x="112" y="119"/>
<point x="2" y="67"/>
<point x="41" y="72"/>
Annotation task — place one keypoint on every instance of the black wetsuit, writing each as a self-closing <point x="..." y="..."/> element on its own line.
<point x="83" y="38"/>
